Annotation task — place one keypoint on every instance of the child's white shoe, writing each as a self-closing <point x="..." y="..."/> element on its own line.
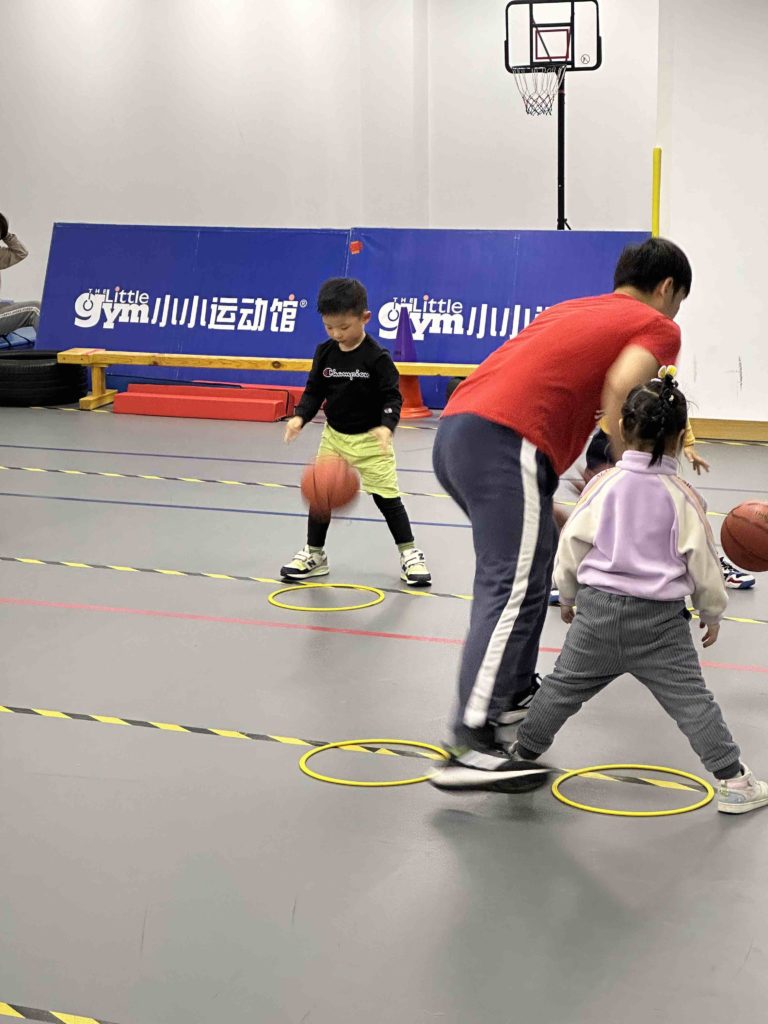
<point x="305" y="564"/>
<point x="742" y="794"/>
<point x="413" y="568"/>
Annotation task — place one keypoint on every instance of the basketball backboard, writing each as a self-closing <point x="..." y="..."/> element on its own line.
<point x="553" y="33"/>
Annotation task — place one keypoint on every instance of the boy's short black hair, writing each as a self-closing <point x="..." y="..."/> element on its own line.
<point x="646" y="265"/>
<point x="342" y="295"/>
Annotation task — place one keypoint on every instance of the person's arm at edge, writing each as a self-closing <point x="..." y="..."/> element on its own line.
<point x="15" y="252"/>
<point x="634" y="366"/>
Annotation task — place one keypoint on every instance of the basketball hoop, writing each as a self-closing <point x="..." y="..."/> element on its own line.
<point x="539" y="87"/>
<point x="546" y="38"/>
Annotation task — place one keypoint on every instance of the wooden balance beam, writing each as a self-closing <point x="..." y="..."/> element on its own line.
<point x="99" y="359"/>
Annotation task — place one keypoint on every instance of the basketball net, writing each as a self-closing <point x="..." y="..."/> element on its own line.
<point x="539" y="87"/>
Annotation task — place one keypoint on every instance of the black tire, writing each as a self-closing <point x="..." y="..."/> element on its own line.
<point x="37" y="378"/>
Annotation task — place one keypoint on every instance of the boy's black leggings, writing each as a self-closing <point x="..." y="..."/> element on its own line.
<point x="393" y="511"/>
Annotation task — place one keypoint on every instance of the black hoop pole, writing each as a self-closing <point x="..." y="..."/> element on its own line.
<point x="562" y="224"/>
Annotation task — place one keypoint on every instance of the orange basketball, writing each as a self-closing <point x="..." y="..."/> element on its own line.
<point x="744" y="536"/>
<point x="329" y="483"/>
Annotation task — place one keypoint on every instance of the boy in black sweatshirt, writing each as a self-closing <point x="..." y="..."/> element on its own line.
<point x="358" y="382"/>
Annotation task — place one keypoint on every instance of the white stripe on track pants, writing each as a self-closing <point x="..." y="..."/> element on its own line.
<point x="14" y="315"/>
<point x="505" y="487"/>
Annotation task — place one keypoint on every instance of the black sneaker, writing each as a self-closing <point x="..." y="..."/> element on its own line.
<point x="470" y="770"/>
<point x="519" y="709"/>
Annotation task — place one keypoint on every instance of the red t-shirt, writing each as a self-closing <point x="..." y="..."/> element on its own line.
<point x="547" y="383"/>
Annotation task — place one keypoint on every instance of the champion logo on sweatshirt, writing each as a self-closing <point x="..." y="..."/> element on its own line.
<point x="349" y="374"/>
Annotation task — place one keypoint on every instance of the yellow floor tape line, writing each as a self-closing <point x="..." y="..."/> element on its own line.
<point x="440" y="495"/>
<point x="379" y="747"/>
<point x="19" y="1012"/>
<point x="111" y="475"/>
<point x="267" y="579"/>
<point x="661" y="783"/>
<point x="295" y="741"/>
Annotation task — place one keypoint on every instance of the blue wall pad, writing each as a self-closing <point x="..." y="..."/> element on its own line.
<point x="251" y="291"/>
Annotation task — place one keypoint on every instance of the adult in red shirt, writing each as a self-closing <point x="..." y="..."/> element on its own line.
<point x="508" y="432"/>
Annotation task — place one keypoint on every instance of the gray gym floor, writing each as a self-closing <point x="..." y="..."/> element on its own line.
<point x="153" y="877"/>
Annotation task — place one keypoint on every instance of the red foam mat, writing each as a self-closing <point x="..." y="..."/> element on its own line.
<point x="194" y="390"/>
<point x="198" y="403"/>
<point x="291" y="393"/>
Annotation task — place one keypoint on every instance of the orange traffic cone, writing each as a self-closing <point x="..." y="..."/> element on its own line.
<point x="410" y="389"/>
<point x="413" y="403"/>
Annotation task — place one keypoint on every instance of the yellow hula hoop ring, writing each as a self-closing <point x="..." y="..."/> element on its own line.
<point x="341" y="744"/>
<point x="378" y="597"/>
<point x="708" y="791"/>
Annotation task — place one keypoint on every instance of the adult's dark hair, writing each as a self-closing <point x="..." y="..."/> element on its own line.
<point x="342" y="295"/>
<point x="646" y="265"/>
<point x="3" y="225"/>
<point x="653" y="413"/>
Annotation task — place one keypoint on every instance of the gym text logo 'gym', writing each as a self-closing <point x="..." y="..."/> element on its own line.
<point x="450" y="316"/>
<point x="107" y="307"/>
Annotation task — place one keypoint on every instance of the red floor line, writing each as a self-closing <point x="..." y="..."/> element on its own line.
<point x="25" y="602"/>
<point x="734" y="668"/>
<point x="193" y="617"/>
<point x="231" y="621"/>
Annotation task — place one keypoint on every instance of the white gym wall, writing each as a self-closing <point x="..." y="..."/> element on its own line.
<point x="307" y="113"/>
<point x="397" y="113"/>
<point x="492" y="166"/>
<point x="713" y="93"/>
<point x="235" y="112"/>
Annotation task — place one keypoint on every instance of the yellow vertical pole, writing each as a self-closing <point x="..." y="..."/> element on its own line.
<point x="656" y="196"/>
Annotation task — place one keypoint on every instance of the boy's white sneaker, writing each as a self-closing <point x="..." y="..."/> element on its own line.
<point x="413" y="568"/>
<point x="742" y="794"/>
<point x="305" y="564"/>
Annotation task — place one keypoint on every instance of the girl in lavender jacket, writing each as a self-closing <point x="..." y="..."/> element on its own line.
<point x="636" y="546"/>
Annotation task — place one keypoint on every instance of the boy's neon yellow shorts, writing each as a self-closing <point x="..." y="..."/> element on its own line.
<point x="378" y="471"/>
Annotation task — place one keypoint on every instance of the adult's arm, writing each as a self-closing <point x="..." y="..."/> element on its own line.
<point x="635" y="365"/>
